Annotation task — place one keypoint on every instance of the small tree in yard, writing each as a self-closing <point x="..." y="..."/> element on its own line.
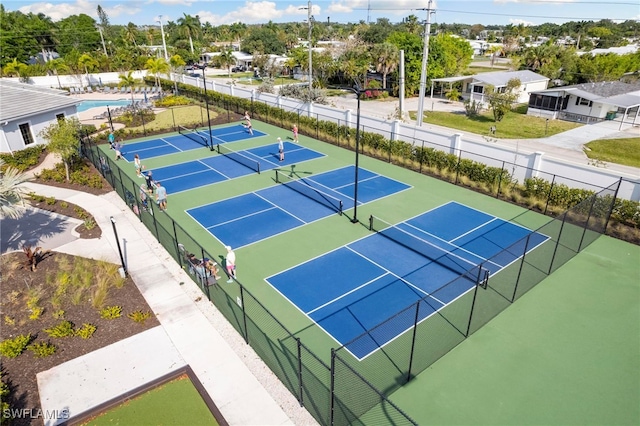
<point x="453" y="95"/>
<point x="500" y="103"/>
<point x="64" y="140"/>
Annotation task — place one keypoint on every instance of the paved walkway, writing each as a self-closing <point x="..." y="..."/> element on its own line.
<point x="192" y="332"/>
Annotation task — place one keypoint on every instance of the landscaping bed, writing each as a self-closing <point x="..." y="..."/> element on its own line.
<point x="62" y="288"/>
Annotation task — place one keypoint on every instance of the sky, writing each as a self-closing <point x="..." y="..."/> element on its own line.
<point x="217" y="12"/>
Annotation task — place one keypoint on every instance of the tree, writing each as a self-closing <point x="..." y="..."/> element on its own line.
<point x="87" y="62"/>
<point x="227" y="59"/>
<point x="386" y="57"/>
<point x="500" y="102"/>
<point x="127" y="80"/>
<point x="15" y="68"/>
<point x="190" y="27"/>
<point x="176" y="62"/>
<point x="157" y="66"/>
<point x="12" y="191"/>
<point x="57" y="66"/>
<point x="64" y="140"/>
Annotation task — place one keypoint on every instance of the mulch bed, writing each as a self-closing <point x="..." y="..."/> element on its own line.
<point x="20" y="372"/>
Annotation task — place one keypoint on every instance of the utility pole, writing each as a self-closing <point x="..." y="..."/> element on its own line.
<point x="104" y="47"/>
<point x="164" y="43"/>
<point x="425" y="56"/>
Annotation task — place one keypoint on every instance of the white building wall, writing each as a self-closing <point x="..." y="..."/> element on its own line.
<point x="12" y="140"/>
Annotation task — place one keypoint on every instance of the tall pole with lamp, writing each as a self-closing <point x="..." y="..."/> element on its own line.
<point x="309" y="22"/>
<point x="354" y="219"/>
<point x="115" y="232"/>
<point x="206" y="101"/>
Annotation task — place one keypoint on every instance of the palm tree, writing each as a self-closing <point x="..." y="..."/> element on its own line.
<point x="157" y="66"/>
<point x="130" y="33"/>
<point x="388" y="57"/>
<point x="127" y="81"/>
<point x="12" y="191"/>
<point x="227" y="59"/>
<point x="176" y="62"/>
<point x="151" y="35"/>
<point x="190" y="27"/>
<point x="412" y="24"/>
<point x="56" y="66"/>
<point x="15" y="68"/>
<point x="87" y="62"/>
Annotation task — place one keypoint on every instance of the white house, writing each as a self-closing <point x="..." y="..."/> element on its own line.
<point x="588" y="102"/>
<point x="473" y="86"/>
<point x="25" y="110"/>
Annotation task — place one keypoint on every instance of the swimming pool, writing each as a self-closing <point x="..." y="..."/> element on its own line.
<point x="85" y="105"/>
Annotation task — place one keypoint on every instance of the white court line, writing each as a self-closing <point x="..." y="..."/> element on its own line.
<point x="241" y="217"/>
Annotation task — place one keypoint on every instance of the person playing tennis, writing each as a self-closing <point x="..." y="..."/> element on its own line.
<point x="281" y="149"/>
<point x="295" y="133"/>
<point x="230" y="263"/>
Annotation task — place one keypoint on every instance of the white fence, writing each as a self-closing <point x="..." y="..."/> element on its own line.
<point x="528" y="164"/>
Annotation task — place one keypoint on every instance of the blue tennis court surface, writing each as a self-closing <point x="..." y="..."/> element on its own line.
<point x="180" y="143"/>
<point x="192" y="174"/>
<point x="254" y="216"/>
<point x="356" y="287"/>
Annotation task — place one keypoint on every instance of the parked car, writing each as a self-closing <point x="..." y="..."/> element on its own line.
<point x="239" y="68"/>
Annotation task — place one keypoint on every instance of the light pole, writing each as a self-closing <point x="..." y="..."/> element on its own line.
<point x="115" y="232"/>
<point x="164" y="43"/>
<point x="206" y="102"/>
<point x="425" y="57"/>
<point x="355" y="189"/>
<point x="104" y="47"/>
<point x="309" y="17"/>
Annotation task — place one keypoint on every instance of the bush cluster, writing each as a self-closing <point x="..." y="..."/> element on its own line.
<point x="171" y="101"/>
<point x="80" y="174"/>
<point x="11" y="348"/>
<point x="23" y="159"/>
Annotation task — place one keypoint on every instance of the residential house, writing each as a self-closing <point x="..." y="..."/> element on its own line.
<point x="474" y="86"/>
<point x="588" y="102"/>
<point x="25" y="110"/>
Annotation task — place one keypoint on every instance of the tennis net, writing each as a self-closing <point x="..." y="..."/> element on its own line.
<point x="302" y="187"/>
<point x="239" y="158"/>
<point x="442" y="256"/>
<point x="194" y="135"/>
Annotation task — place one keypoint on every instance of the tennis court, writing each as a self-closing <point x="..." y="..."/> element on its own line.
<point x="187" y="140"/>
<point x="230" y="165"/>
<point x="258" y="215"/>
<point x="356" y="287"/>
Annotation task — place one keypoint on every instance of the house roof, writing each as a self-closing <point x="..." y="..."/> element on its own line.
<point x="617" y="93"/>
<point x="501" y="78"/>
<point x="496" y="78"/>
<point x="19" y="100"/>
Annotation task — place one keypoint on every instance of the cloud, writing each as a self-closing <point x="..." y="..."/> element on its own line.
<point x="257" y="12"/>
<point x="60" y="11"/>
<point x="397" y="7"/>
<point x="521" y="22"/>
<point x="534" y="2"/>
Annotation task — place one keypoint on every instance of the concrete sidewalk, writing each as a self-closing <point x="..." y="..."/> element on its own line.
<point x="193" y="332"/>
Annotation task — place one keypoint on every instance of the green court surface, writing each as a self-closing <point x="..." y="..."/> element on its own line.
<point x="565" y="353"/>
<point x="174" y="403"/>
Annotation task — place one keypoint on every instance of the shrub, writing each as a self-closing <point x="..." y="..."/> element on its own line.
<point x="23" y="159"/>
<point x="171" y="100"/>
<point x="59" y="314"/>
<point x="11" y="348"/>
<point x="111" y="312"/>
<point x="35" y="313"/>
<point x="63" y="329"/>
<point x="42" y="349"/>
<point x="51" y="201"/>
<point x="86" y="331"/>
<point x="139" y="316"/>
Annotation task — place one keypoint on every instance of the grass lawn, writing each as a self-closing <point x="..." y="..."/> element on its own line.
<point x="624" y="151"/>
<point x="174" y="403"/>
<point x="514" y="125"/>
<point x="185" y="116"/>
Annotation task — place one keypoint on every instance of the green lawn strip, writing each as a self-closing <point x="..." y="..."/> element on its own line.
<point x="514" y="125"/>
<point x="184" y="116"/>
<point x="173" y="403"/>
<point x="624" y="151"/>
